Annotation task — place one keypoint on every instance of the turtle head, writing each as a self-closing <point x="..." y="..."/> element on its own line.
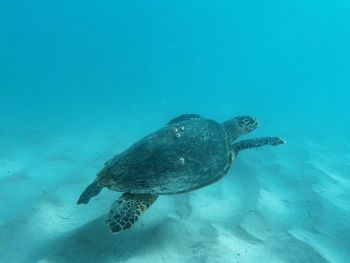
<point x="240" y="125"/>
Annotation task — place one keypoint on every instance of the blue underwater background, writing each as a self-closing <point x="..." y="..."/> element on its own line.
<point x="82" y="80"/>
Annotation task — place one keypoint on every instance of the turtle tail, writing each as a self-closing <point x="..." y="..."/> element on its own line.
<point x="90" y="191"/>
<point x="258" y="142"/>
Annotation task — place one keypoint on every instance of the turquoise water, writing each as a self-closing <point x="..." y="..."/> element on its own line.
<point x="81" y="81"/>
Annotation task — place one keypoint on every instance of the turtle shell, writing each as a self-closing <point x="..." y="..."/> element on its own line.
<point x="187" y="154"/>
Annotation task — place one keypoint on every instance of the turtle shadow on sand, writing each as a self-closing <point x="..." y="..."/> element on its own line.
<point x="188" y="153"/>
<point x="93" y="242"/>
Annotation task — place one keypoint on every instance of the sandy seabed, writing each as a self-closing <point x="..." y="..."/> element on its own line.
<point x="282" y="204"/>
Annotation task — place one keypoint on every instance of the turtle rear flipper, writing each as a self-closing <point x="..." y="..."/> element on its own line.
<point x="127" y="210"/>
<point x="257" y="142"/>
<point x="90" y="191"/>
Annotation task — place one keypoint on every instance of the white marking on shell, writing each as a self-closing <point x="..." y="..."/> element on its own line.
<point x="182" y="161"/>
<point x="182" y="128"/>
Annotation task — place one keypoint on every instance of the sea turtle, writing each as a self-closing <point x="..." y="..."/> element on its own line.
<point x="188" y="153"/>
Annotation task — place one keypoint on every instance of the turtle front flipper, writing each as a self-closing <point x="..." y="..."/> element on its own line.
<point x="257" y="142"/>
<point x="127" y="210"/>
